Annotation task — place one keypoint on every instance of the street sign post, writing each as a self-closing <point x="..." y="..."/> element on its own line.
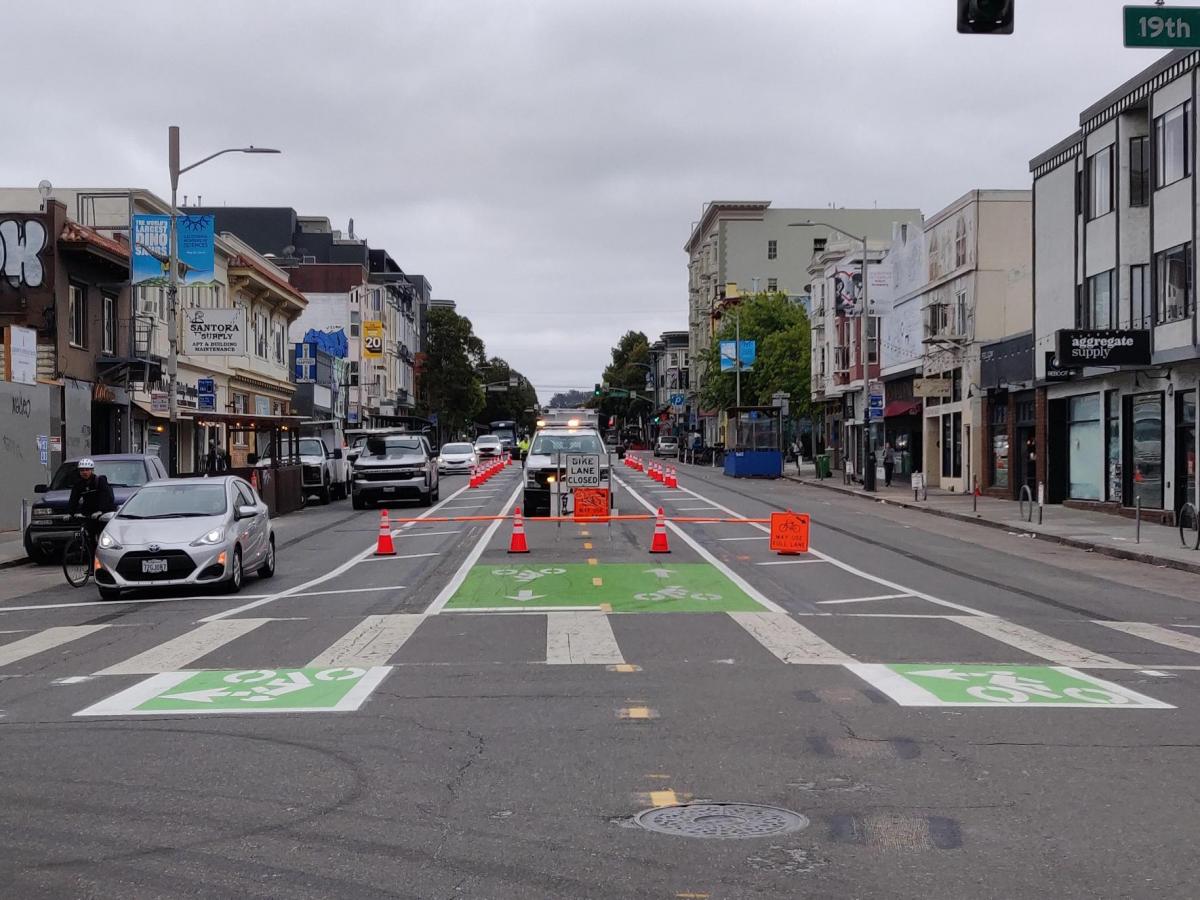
<point x="1161" y="27"/>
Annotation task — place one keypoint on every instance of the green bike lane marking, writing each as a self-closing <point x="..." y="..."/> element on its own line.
<point x="954" y="684"/>
<point x="334" y="689"/>
<point x="621" y="587"/>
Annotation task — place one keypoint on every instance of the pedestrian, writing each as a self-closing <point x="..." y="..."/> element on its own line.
<point x="889" y="463"/>
<point x="215" y="463"/>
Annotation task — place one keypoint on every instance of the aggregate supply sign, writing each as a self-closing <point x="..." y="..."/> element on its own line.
<point x="1103" y="348"/>
<point x="216" y="332"/>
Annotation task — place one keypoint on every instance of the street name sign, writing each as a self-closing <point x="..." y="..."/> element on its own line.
<point x="1162" y="27"/>
<point x="583" y="470"/>
<point x="334" y="689"/>
<point x="955" y="684"/>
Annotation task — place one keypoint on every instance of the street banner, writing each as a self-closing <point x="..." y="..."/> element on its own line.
<point x="215" y="332"/>
<point x="729" y="358"/>
<point x="372" y="340"/>
<point x="196" y="249"/>
<point x="150" y="262"/>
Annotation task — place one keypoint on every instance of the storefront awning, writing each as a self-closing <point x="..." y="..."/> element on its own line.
<point x="911" y="407"/>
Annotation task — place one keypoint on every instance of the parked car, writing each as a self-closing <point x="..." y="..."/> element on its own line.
<point x="456" y="458"/>
<point x="488" y="446"/>
<point x="323" y="470"/>
<point x="666" y="446"/>
<point x="395" y="467"/>
<point x="50" y="525"/>
<point x="186" y="531"/>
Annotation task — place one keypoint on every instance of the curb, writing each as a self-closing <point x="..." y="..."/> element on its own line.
<point x="1103" y="549"/>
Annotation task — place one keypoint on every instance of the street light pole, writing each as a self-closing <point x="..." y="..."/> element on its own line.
<point x="737" y="356"/>
<point x="173" y="288"/>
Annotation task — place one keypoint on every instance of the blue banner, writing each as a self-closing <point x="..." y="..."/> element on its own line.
<point x="151" y="259"/>
<point x="749" y="352"/>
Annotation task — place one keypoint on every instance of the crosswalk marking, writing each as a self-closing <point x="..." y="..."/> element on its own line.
<point x="1158" y="634"/>
<point x="44" y="640"/>
<point x="176" y="653"/>
<point x="581" y="638"/>
<point x="1037" y="644"/>
<point x="789" y="640"/>
<point x="372" y="642"/>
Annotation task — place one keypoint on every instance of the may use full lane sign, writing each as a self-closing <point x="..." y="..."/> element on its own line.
<point x="1103" y="348"/>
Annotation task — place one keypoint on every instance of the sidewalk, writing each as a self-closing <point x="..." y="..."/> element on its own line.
<point x="1098" y="532"/>
<point x="12" y="549"/>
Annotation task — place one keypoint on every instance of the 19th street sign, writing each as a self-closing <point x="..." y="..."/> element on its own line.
<point x="1160" y="27"/>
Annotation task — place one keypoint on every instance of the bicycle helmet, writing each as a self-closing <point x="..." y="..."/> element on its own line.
<point x="86" y="463"/>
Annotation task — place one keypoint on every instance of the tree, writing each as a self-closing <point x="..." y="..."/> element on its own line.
<point x="450" y="385"/>
<point x="514" y="402"/>
<point x="570" y="399"/>
<point x="627" y="372"/>
<point x="784" y="344"/>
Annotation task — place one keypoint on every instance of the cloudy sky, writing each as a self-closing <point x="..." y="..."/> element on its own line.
<point x="542" y="162"/>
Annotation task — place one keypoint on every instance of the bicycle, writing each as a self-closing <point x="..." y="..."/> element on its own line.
<point x="78" y="555"/>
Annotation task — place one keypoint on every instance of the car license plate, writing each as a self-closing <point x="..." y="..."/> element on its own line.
<point x="154" y="566"/>
<point x="389" y="490"/>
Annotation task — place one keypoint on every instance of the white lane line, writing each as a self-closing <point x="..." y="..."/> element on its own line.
<point x="176" y="653"/>
<point x="467" y="506"/>
<point x="460" y="576"/>
<point x="44" y="640"/>
<point x="789" y="640"/>
<point x="846" y="567"/>
<point x="753" y="537"/>
<point x="1158" y="634"/>
<point x="882" y="615"/>
<point x="580" y="638"/>
<point x="372" y="642"/>
<point x="391" y="587"/>
<point x="791" y="562"/>
<point x="861" y="599"/>
<point x="116" y="603"/>
<point x="328" y="576"/>
<point x="694" y="508"/>
<point x="397" y="556"/>
<point x="532" y="611"/>
<point x="749" y="589"/>
<point x="398" y="533"/>
<point x="1037" y="644"/>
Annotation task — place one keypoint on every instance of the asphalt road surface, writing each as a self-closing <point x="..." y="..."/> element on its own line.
<point x="939" y="711"/>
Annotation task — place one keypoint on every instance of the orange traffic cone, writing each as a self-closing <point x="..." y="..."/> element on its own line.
<point x="474" y="482"/>
<point x="384" y="547"/>
<point x="517" y="543"/>
<point x="659" y="543"/>
<point x="672" y="482"/>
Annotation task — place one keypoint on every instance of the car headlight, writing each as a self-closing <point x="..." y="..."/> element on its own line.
<point x="108" y="542"/>
<point x="40" y="511"/>
<point x="213" y="537"/>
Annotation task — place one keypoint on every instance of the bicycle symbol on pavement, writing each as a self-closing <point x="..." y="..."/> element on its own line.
<point x="674" y="592"/>
<point x="524" y="576"/>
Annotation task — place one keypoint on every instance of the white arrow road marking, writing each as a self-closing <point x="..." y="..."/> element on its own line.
<point x="524" y="595"/>
<point x="660" y="573"/>
<point x="948" y="674"/>
<point x="205" y="696"/>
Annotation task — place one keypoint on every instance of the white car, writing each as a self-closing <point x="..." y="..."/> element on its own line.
<point x="487" y="446"/>
<point x="456" y="458"/>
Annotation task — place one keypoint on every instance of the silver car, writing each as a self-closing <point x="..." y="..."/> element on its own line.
<point x="186" y="531"/>
<point x="456" y="458"/>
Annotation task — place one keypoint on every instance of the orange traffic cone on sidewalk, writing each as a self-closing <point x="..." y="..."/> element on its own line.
<point x="517" y="543"/>
<point x="659" y="543"/>
<point x="384" y="547"/>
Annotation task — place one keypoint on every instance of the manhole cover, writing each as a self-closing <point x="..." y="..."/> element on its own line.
<point x="721" y="820"/>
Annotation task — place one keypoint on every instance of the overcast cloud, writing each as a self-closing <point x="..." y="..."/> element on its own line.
<point x="542" y="162"/>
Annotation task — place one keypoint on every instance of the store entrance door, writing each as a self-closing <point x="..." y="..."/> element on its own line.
<point x="1185" y="448"/>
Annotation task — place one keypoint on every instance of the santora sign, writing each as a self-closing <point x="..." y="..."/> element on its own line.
<point x="219" y="332"/>
<point x="1103" y="348"/>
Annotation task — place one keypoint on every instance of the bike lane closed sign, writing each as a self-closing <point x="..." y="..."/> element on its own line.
<point x="334" y="689"/>
<point x="954" y="684"/>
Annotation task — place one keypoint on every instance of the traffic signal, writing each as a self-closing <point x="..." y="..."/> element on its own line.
<point x="985" y="16"/>
<point x="596" y="392"/>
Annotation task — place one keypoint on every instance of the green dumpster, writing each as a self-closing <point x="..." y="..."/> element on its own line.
<point x="823" y="469"/>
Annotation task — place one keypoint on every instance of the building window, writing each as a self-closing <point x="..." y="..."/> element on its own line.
<point x="1085" y="447"/>
<point x="1100" y="183"/>
<point x="279" y="344"/>
<point x="1172" y="146"/>
<point x="1139" y="297"/>
<point x="241" y="404"/>
<point x="960" y="244"/>
<point x="1000" y="446"/>
<point x="1173" y="271"/>
<point x="352" y="373"/>
<point x="1112" y="446"/>
<point x="956" y="385"/>
<point x="952" y="445"/>
<point x="109" y="323"/>
<point x="260" y="335"/>
<point x="872" y="339"/>
<point x="78" y="313"/>
<point x="1101" y="311"/>
<point x="355" y="322"/>
<point x="772" y="249"/>
<point x="772" y="284"/>
<point x="1139" y="171"/>
<point x="1146" y="446"/>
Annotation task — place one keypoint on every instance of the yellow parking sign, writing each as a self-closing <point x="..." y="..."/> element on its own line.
<point x="372" y="340"/>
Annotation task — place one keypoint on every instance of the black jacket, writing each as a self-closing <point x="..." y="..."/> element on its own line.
<point x="92" y="496"/>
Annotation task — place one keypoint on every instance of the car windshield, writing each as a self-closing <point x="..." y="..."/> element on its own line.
<point x="487" y="440"/>
<point x="176" y="501"/>
<point x="119" y="472"/>
<point x="546" y="444"/>
<point x="387" y="447"/>
<point x="457" y="449"/>
<point x="312" y="447"/>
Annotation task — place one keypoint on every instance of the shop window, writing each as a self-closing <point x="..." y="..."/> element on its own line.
<point x="1173" y="269"/>
<point x="1185" y="448"/>
<point x="1146" y="449"/>
<point x="1085" y="447"/>
<point x="952" y="445"/>
<point x="1112" y="447"/>
<point x="1000" y="444"/>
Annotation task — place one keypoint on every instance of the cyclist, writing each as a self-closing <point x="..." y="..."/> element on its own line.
<point x="91" y="497"/>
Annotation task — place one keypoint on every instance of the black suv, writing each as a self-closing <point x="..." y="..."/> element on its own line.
<point x="395" y="466"/>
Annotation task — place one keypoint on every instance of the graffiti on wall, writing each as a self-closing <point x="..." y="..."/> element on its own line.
<point x="21" y="244"/>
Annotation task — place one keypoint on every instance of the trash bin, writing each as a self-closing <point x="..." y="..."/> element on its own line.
<point x="823" y="469"/>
